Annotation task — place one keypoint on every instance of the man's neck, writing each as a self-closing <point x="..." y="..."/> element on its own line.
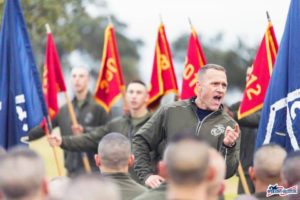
<point x="186" y="192"/>
<point x="81" y="96"/>
<point x="200" y="104"/>
<point x="108" y="170"/>
<point x="262" y="187"/>
<point x="139" y="113"/>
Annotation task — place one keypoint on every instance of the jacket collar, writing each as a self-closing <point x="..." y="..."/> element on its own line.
<point x="88" y="99"/>
<point x="148" y="116"/>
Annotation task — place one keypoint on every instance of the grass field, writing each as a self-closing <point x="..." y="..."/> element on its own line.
<point x="42" y="147"/>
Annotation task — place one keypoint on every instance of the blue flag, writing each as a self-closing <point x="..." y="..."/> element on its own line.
<point x="22" y="104"/>
<point x="280" y="119"/>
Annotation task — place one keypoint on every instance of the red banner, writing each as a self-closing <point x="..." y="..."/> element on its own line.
<point x="53" y="80"/>
<point x="259" y="78"/>
<point x="110" y="80"/>
<point x="195" y="59"/>
<point x="163" y="79"/>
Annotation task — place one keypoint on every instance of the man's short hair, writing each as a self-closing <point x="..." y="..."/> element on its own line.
<point x="245" y="197"/>
<point x="114" y="151"/>
<point x="290" y="168"/>
<point x="216" y="162"/>
<point x="83" y="68"/>
<point x="22" y="172"/>
<point x="206" y="67"/>
<point x="184" y="166"/>
<point x="137" y="81"/>
<point x="91" y="187"/>
<point x="57" y="187"/>
<point x="268" y="161"/>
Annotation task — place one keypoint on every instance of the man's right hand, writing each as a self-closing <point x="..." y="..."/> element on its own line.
<point x="154" y="181"/>
<point x="54" y="140"/>
<point x="77" y="129"/>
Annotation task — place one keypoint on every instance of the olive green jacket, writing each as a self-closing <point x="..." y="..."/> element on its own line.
<point x="128" y="187"/>
<point x="154" y="194"/>
<point x="89" y="114"/>
<point x="178" y="117"/>
<point x="90" y="140"/>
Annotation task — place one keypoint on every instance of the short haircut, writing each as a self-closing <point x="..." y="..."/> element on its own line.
<point x="137" y="81"/>
<point x="245" y="197"/>
<point x="184" y="166"/>
<point x="114" y="150"/>
<point x="216" y="162"/>
<point x="268" y="161"/>
<point x="83" y="68"/>
<point x="290" y="168"/>
<point x="91" y="187"/>
<point x="22" y="172"/>
<point x="204" y="69"/>
<point x="57" y="187"/>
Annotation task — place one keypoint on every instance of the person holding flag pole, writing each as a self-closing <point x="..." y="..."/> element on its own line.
<point x="87" y="111"/>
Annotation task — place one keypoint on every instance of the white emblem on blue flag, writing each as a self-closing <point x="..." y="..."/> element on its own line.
<point x="291" y="115"/>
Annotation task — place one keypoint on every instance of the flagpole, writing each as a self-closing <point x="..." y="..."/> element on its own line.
<point x="48" y="129"/>
<point x="268" y="16"/>
<point x="243" y="178"/>
<point x="74" y="121"/>
<point x="84" y="156"/>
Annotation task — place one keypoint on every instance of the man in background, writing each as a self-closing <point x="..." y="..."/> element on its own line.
<point x="127" y="124"/>
<point x="88" y="113"/>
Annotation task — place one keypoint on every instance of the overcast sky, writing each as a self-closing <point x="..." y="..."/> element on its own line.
<point x="246" y="19"/>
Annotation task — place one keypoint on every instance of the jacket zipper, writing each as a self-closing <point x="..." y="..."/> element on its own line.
<point x="201" y="122"/>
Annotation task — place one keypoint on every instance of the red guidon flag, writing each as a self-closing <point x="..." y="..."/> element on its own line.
<point x="110" y="81"/>
<point x="53" y="80"/>
<point x="163" y="79"/>
<point x="259" y="78"/>
<point x="195" y="59"/>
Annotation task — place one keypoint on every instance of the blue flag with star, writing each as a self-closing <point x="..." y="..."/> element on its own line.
<point x="280" y="119"/>
<point x="22" y="104"/>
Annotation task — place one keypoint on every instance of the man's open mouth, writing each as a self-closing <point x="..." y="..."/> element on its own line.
<point x="217" y="97"/>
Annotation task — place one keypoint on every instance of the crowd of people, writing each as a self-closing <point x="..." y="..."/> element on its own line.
<point x="183" y="151"/>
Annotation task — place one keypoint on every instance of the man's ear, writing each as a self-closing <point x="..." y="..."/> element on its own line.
<point x="162" y="169"/>
<point x="97" y="160"/>
<point x="222" y="188"/>
<point x="45" y="188"/>
<point x="211" y="174"/>
<point x="131" y="160"/>
<point x="252" y="173"/>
